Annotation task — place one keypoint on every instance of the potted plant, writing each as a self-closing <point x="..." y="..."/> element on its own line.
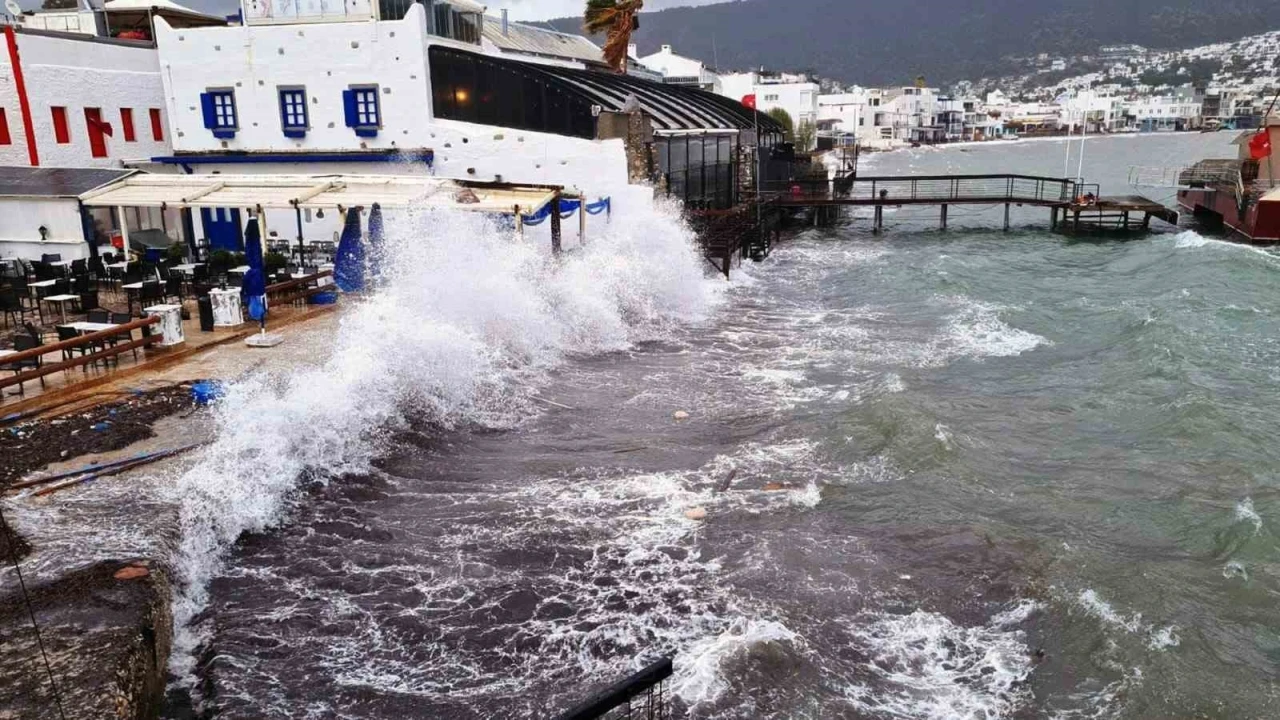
<point x="220" y="261"/>
<point x="177" y="254"/>
<point x="274" y="261"/>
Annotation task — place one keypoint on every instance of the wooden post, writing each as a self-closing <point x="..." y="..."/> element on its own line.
<point x="1006" y="217"/>
<point x="944" y="216"/>
<point x="582" y="220"/>
<point x="878" y="223"/>
<point x="1077" y="219"/>
<point x="1126" y="220"/>
<point x="555" y="223"/>
<point x="1053" y="218"/>
<point x="1146" y="221"/>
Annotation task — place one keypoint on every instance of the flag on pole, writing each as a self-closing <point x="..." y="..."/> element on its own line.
<point x="749" y="101"/>
<point x="1260" y="145"/>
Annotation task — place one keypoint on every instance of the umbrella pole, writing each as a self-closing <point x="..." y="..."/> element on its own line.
<point x="302" y="258"/>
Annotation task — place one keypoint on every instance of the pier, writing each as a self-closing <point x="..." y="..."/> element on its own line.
<point x="1074" y="206"/>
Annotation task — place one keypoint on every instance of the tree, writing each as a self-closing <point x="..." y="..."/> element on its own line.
<point x="784" y="118"/>
<point x="617" y="19"/>
<point x="806" y="134"/>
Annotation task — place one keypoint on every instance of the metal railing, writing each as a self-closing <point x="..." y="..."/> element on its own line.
<point x="297" y="289"/>
<point x="95" y="340"/>
<point x="642" y="696"/>
<point x="935" y="189"/>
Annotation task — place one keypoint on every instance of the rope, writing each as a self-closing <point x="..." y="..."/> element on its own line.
<point x="13" y="553"/>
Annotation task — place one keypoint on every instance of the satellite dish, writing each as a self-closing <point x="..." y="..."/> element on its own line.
<point x="13" y="7"/>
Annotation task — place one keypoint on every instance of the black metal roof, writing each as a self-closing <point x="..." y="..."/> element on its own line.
<point x="55" y="182"/>
<point x="671" y="107"/>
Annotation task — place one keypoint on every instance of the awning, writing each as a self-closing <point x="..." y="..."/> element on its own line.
<point x="18" y="181"/>
<point x="316" y="191"/>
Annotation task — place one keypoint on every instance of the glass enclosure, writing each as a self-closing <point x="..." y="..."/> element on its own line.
<point x="472" y="88"/>
<point x="700" y="168"/>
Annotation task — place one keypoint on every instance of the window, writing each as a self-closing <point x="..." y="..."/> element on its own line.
<point x="61" y="130"/>
<point x="293" y="112"/>
<point x="219" y="108"/>
<point x="361" y="105"/>
<point x="4" y="129"/>
<point x="126" y="122"/>
<point x="771" y="98"/>
<point x="157" y="127"/>
<point x="98" y="132"/>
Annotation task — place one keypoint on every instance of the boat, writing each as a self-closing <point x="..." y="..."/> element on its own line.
<point x="1242" y="192"/>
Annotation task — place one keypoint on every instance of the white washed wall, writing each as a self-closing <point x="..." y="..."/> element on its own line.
<point x="325" y="58"/>
<point x="75" y="74"/>
<point x="20" y="221"/>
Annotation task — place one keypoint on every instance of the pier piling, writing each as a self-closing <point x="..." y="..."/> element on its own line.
<point x="944" y="216"/>
<point x="1006" y="217"/>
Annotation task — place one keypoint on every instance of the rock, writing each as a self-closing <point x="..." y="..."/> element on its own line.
<point x="131" y="573"/>
<point x="774" y="487"/>
<point x="696" y="513"/>
<point x="680" y="415"/>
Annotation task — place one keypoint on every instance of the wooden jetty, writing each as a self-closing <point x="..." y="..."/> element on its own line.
<point x="1075" y="206"/>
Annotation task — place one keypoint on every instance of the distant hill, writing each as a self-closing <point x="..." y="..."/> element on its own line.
<point x="887" y="43"/>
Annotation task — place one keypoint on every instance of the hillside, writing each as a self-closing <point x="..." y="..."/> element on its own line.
<point x="890" y="43"/>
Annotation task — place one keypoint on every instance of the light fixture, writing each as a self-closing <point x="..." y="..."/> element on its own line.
<point x="461" y="96"/>
<point x="320" y="213"/>
<point x="44" y="233"/>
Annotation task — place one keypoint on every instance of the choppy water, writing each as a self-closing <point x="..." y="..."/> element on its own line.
<point x="947" y="475"/>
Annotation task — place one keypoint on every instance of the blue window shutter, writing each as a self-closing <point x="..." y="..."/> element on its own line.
<point x="349" y="105"/>
<point x="210" y="115"/>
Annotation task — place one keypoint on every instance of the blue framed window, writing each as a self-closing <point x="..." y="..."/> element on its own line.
<point x="219" y="108"/>
<point x="362" y="110"/>
<point x="293" y="112"/>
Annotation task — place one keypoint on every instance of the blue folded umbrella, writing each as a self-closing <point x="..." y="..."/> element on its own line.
<point x="254" y="288"/>
<point x="348" y="267"/>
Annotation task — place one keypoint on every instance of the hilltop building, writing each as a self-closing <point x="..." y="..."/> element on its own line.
<point x="680" y="70"/>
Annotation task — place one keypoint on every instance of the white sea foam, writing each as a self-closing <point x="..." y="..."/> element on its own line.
<point x="700" y="669"/>
<point x="930" y="668"/>
<point x="1191" y="240"/>
<point x="977" y="331"/>
<point x="467" y="321"/>
<point x="1246" y="513"/>
<point x="1158" y="638"/>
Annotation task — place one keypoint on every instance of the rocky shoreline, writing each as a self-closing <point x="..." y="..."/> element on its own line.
<point x="105" y="624"/>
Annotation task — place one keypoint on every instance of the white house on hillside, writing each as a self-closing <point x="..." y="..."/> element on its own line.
<point x="680" y="70"/>
<point x="797" y="94"/>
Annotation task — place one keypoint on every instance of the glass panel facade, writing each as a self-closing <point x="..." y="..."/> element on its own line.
<point x="701" y="170"/>
<point x="472" y="88"/>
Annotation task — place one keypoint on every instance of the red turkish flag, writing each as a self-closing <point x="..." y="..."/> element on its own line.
<point x="1260" y="145"/>
<point x="103" y="126"/>
<point x="749" y="101"/>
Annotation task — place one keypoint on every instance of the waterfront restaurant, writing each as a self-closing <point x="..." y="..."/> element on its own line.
<point x="409" y="88"/>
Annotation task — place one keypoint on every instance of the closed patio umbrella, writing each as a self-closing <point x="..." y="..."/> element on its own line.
<point x="254" y="288"/>
<point x="348" y="268"/>
<point x="377" y="244"/>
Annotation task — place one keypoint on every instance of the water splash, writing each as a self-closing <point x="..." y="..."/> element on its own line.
<point x="468" y="322"/>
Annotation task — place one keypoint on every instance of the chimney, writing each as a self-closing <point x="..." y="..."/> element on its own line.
<point x="666" y="49"/>
<point x="633" y="52"/>
<point x="506" y="24"/>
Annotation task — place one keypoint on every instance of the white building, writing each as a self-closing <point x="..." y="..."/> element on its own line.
<point x="796" y="94"/>
<point x="80" y="101"/>
<point x="680" y="70"/>
<point x="843" y="112"/>
<point x="1096" y="112"/>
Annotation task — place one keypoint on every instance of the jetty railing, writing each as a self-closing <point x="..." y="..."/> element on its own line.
<point x="930" y="189"/>
<point x="94" y="340"/>
<point x="642" y="696"/>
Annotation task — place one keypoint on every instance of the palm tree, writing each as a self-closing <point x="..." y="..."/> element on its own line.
<point x="616" y="18"/>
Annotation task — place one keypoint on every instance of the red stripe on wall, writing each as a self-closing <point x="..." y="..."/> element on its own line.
<point x="21" y="86"/>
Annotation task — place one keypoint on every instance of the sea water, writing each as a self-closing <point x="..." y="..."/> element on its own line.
<point x="961" y="474"/>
